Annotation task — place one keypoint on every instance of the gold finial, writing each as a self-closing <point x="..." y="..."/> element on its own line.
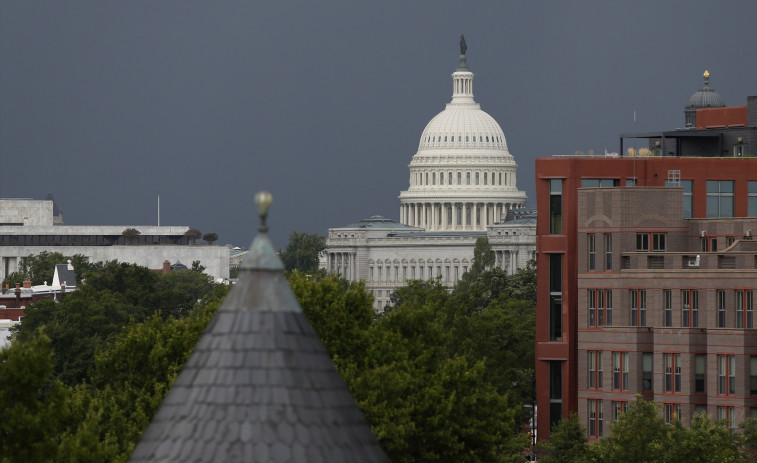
<point x="263" y="200"/>
<point x="706" y="74"/>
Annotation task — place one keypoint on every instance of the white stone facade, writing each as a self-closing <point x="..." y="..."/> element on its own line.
<point x="462" y="186"/>
<point x="32" y="232"/>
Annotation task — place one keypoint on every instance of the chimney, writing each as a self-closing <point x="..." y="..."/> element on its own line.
<point x="166" y="267"/>
<point x="27" y="283"/>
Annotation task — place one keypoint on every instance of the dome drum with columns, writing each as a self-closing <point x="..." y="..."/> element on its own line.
<point x="462" y="186"/>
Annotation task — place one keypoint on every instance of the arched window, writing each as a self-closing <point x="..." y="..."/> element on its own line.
<point x="467" y="178"/>
<point x="433" y="178"/>
<point x="441" y="178"/>
<point x="476" y="178"/>
<point x="450" y="178"/>
<point x="459" y="178"/>
<point x="466" y="139"/>
<point x="459" y="215"/>
<point x="500" y="178"/>
<point x="485" y="177"/>
<point x="426" y="178"/>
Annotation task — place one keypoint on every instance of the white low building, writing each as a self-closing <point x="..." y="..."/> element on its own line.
<point x="27" y="228"/>
<point x="462" y="186"/>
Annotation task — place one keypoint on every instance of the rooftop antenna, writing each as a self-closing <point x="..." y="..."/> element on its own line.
<point x="635" y="153"/>
<point x="158" y="210"/>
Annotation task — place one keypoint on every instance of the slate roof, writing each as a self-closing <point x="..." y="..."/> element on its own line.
<point x="259" y="386"/>
<point x="64" y="273"/>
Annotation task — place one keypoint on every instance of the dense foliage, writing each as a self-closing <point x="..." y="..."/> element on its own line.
<point x="303" y="251"/>
<point x="441" y="376"/>
<point x="84" y="376"/>
<point x="642" y="435"/>
<point x="40" y="268"/>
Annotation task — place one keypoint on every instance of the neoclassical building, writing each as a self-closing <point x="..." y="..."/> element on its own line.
<point x="462" y="186"/>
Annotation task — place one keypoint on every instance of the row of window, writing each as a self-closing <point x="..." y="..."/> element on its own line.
<point x="671" y="370"/>
<point x="719" y="198"/>
<point x="672" y="411"/>
<point x="449" y="179"/>
<point x="599" y="304"/>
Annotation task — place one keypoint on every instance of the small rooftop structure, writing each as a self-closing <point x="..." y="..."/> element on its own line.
<point x="259" y="386"/>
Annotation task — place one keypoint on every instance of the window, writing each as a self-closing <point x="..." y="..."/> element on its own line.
<point x="672" y="412"/>
<point x="719" y="198"/>
<point x="433" y="178"/>
<point x="690" y="307"/>
<point x="744" y="308"/>
<point x="449" y="177"/>
<point x="476" y="178"/>
<point x="591" y="244"/>
<point x="727" y="415"/>
<point x="459" y="178"/>
<point x="620" y="371"/>
<point x="608" y="308"/>
<point x="638" y="307"/>
<point x="751" y="198"/>
<point x="741" y="150"/>
<point x="726" y="374"/>
<point x="647" y="371"/>
<point x="700" y="372"/>
<point x="600" y="307"/>
<point x="555" y="206"/>
<point x="709" y="243"/>
<point x="555" y="297"/>
<point x="672" y="363"/>
<point x="595" y="418"/>
<point x="753" y="375"/>
<point x="595" y="369"/>
<point x="441" y="178"/>
<point x="608" y="251"/>
<point x="642" y="242"/>
<point x="426" y="178"/>
<point x="720" y="294"/>
<point x="486" y="176"/>
<point x="658" y="241"/>
<point x="667" y="306"/>
<point x="688" y="198"/>
<point x="618" y="407"/>
<point x="555" y="392"/>
<point x="599" y="182"/>
<point x="467" y="178"/>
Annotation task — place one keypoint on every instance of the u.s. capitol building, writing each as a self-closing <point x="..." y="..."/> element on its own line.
<point x="462" y="186"/>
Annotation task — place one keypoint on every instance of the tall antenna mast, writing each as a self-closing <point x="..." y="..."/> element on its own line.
<point x="158" y="210"/>
<point x="635" y="153"/>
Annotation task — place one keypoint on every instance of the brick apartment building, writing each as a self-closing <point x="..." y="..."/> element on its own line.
<point x="647" y="273"/>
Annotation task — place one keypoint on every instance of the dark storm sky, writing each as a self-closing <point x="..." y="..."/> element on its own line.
<point x="108" y="104"/>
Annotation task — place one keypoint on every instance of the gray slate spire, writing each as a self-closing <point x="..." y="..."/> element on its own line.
<point x="259" y="386"/>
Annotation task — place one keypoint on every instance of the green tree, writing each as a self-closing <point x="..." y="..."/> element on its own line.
<point x="302" y="251"/>
<point x="131" y="235"/>
<point x="483" y="256"/>
<point x="639" y="435"/>
<point x="40" y="268"/>
<point x="424" y="402"/>
<point x="210" y="238"/>
<point x="32" y="402"/>
<point x="193" y="234"/>
<point x="567" y="442"/>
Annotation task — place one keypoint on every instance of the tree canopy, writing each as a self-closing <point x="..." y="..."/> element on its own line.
<point x="303" y="251"/>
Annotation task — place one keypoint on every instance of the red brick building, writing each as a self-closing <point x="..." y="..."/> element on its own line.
<point x="649" y="290"/>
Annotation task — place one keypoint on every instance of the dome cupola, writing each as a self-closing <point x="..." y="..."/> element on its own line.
<point x="705" y="97"/>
